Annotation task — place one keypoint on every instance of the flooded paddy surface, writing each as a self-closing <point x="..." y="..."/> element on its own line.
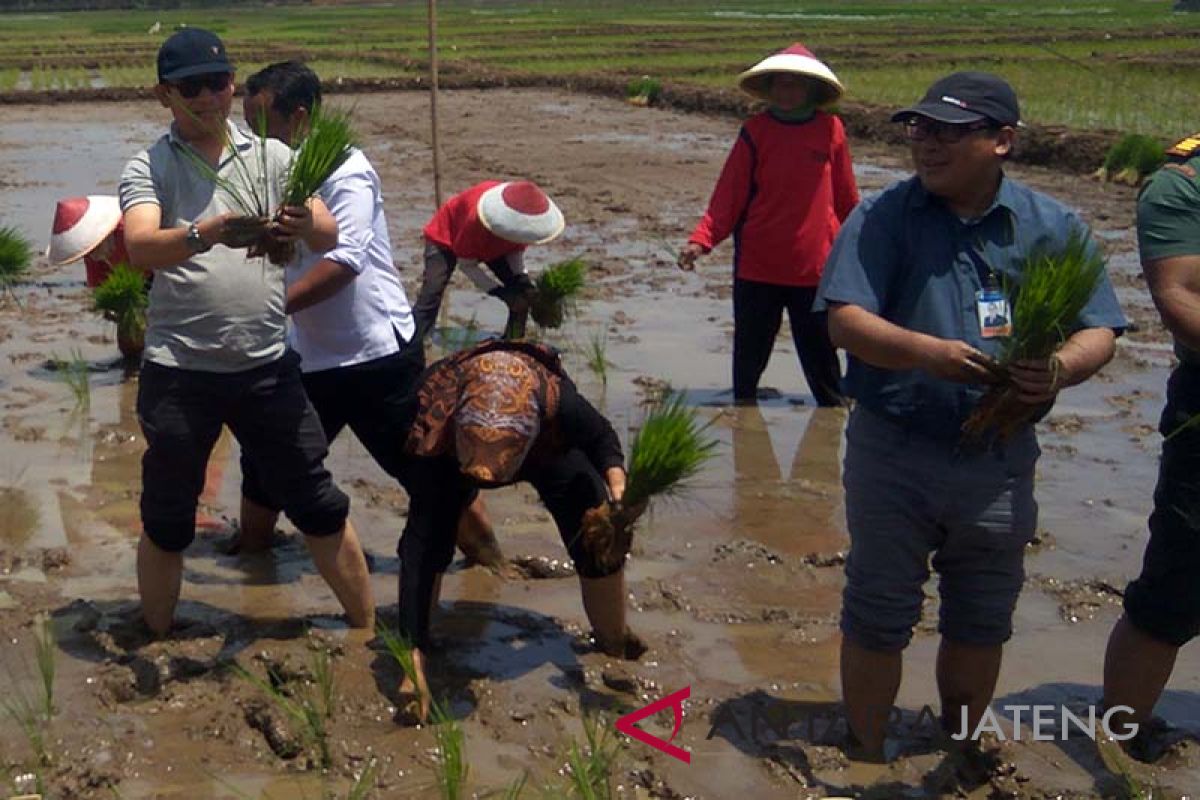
<point x="735" y="588"/>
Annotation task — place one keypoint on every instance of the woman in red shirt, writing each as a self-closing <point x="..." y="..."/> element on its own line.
<point x="783" y="194"/>
<point x="490" y="224"/>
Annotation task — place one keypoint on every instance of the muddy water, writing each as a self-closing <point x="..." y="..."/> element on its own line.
<point x="735" y="587"/>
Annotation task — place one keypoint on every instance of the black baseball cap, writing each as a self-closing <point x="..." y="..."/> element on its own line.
<point x="191" y="51"/>
<point x="967" y="97"/>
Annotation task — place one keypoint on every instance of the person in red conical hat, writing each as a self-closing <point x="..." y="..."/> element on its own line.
<point x="89" y="228"/>
<point x="783" y="193"/>
<point x="490" y="223"/>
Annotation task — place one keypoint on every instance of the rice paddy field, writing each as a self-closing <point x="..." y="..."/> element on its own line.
<point x="1124" y="65"/>
<point x="261" y="691"/>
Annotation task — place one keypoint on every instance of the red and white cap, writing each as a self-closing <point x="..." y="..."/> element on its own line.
<point x="797" y="60"/>
<point x="520" y="212"/>
<point x="80" y="224"/>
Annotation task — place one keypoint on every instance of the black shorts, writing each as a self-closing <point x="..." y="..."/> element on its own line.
<point x="181" y="412"/>
<point x="1164" y="601"/>
<point x="376" y="399"/>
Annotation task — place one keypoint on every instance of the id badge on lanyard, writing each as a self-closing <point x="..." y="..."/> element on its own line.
<point x="991" y="305"/>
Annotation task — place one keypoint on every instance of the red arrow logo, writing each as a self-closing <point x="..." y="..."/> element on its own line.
<point x="626" y="724"/>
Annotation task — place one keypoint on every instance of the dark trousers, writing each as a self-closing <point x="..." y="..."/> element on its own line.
<point x="181" y="413"/>
<point x="567" y="483"/>
<point x="1164" y="601"/>
<point x="375" y="399"/>
<point x="757" y="315"/>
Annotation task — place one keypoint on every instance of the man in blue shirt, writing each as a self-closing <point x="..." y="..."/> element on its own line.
<point x="905" y="285"/>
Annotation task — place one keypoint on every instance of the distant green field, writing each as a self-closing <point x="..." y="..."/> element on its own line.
<point x="1124" y="64"/>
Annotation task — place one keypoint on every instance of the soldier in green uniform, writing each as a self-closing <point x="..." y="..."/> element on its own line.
<point x="1162" y="606"/>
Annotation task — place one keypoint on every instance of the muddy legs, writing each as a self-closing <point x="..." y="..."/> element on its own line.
<point x="159" y="574"/>
<point x="339" y="558"/>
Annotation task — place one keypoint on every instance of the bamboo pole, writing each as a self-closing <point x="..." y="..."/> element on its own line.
<point x="433" y="108"/>
<point x="444" y="311"/>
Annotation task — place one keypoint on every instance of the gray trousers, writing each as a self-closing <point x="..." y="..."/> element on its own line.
<point x="910" y="498"/>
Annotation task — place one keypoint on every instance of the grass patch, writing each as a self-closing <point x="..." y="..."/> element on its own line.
<point x="1132" y="158"/>
<point x="643" y="91"/>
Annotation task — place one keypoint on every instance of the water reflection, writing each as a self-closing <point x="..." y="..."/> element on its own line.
<point x="797" y="511"/>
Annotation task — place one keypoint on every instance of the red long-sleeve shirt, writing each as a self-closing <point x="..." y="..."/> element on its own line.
<point x="783" y="193"/>
<point x="456" y="226"/>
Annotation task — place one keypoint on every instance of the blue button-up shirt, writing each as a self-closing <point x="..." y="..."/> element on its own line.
<point x="905" y="256"/>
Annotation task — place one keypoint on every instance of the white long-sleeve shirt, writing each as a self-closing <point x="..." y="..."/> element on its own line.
<point x="361" y="321"/>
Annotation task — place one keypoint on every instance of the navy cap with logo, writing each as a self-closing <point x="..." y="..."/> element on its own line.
<point x="967" y="97"/>
<point x="191" y="51"/>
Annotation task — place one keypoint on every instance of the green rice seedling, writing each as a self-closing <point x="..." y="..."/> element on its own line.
<point x="450" y="766"/>
<point x="28" y="718"/>
<point x="555" y="290"/>
<point x="1129" y="785"/>
<point x="1132" y="158"/>
<point x="1047" y="300"/>
<point x="514" y="789"/>
<point x="669" y="450"/>
<point x="77" y="375"/>
<point x="365" y="781"/>
<point x="251" y="196"/>
<point x="591" y="771"/>
<point x="122" y="298"/>
<point x="597" y="356"/>
<point x="401" y="649"/>
<point x="310" y="710"/>
<point x="16" y="254"/>
<point x="643" y="91"/>
<point x="45" y="648"/>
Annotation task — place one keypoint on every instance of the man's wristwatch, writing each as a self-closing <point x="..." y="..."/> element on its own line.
<point x="195" y="242"/>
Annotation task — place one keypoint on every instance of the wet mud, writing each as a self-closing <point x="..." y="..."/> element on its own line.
<point x="734" y="588"/>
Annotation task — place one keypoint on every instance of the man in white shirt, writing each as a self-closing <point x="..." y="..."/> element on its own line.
<point x="351" y="321"/>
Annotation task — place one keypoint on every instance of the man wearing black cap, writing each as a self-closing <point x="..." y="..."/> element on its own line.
<point x="911" y="280"/>
<point x="215" y="352"/>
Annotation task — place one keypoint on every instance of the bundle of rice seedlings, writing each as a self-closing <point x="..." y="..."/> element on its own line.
<point x="1131" y="159"/>
<point x="555" y="289"/>
<point x="670" y="449"/>
<point x="1052" y="292"/>
<point x="122" y="298"/>
<point x="16" y="254"/>
<point x="643" y="91"/>
<point x="327" y="144"/>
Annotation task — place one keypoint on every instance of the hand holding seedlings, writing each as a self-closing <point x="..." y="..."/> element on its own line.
<point x="688" y="255"/>
<point x="1038" y="380"/>
<point x="292" y="223"/>
<point x="955" y="360"/>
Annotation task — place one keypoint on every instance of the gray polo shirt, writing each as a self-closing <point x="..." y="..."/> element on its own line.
<point x="906" y="257"/>
<point x="217" y="311"/>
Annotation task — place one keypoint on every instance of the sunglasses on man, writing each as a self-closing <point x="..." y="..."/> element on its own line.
<point x="191" y="87"/>
<point x="918" y="129"/>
